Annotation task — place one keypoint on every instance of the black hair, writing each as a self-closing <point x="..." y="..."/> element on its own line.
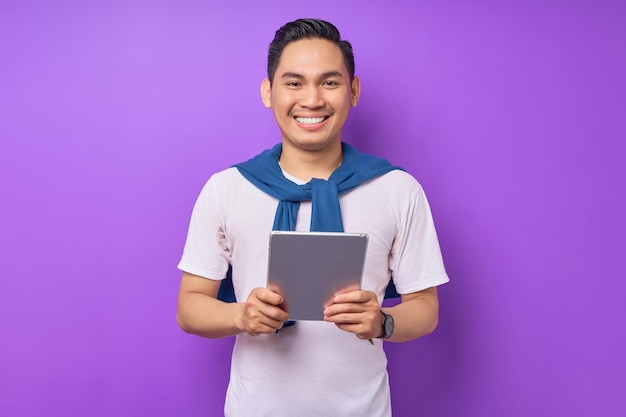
<point x="307" y="29"/>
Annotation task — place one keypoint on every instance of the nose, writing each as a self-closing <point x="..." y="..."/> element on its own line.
<point x="312" y="97"/>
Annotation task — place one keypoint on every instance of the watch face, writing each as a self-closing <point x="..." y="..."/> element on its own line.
<point x="388" y="326"/>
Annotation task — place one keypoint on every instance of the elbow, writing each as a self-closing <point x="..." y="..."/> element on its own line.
<point x="432" y="318"/>
<point x="432" y="324"/>
<point x="182" y="322"/>
<point x="429" y="321"/>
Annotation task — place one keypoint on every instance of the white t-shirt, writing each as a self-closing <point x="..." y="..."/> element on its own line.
<point x="312" y="368"/>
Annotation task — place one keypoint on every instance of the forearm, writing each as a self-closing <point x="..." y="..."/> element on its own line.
<point x="416" y="316"/>
<point x="205" y="316"/>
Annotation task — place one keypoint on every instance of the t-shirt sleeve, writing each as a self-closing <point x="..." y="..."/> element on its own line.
<point x="206" y="253"/>
<point x="416" y="261"/>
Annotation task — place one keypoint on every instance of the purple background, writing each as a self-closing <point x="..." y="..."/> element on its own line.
<point x="511" y="115"/>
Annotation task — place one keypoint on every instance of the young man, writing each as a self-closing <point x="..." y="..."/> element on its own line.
<point x="315" y="368"/>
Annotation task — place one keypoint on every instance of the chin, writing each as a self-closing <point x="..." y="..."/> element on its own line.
<point x="313" y="144"/>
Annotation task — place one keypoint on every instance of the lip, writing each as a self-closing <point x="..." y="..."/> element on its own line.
<point x="312" y="126"/>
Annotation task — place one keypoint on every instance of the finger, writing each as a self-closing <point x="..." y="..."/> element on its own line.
<point x="353" y="308"/>
<point x="344" y="318"/>
<point x="258" y="323"/>
<point x="268" y="326"/>
<point x="342" y="309"/>
<point x="275" y="314"/>
<point x="257" y="310"/>
<point x="366" y="318"/>
<point x="358" y="296"/>
<point x="268" y="296"/>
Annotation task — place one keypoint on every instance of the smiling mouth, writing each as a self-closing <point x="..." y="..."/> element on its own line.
<point x="310" y="120"/>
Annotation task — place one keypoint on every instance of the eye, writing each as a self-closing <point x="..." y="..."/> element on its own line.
<point x="330" y="83"/>
<point x="293" y="84"/>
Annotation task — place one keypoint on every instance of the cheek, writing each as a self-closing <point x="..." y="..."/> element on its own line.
<point x="341" y="100"/>
<point x="281" y="113"/>
<point x="342" y="109"/>
<point x="283" y="102"/>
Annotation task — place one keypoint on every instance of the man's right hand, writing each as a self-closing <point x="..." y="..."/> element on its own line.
<point x="262" y="312"/>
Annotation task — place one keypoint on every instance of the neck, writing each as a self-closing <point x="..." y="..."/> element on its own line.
<point x="308" y="164"/>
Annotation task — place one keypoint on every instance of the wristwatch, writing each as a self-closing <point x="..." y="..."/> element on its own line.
<point x="388" y="325"/>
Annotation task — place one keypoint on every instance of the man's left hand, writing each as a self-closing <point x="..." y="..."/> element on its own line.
<point x="356" y="312"/>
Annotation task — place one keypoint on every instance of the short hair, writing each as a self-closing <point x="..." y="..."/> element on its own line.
<point x="307" y="29"/>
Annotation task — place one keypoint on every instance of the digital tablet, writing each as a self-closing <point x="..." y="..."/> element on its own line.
<point x="308" y="268"/>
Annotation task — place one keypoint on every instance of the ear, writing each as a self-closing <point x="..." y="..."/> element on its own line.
<point x="266" y="93"/>
<point x="356" y="90"/>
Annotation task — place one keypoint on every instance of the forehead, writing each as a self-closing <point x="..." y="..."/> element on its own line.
<point x="311" y="56"/>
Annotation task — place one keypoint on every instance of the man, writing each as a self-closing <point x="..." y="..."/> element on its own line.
<point x="315" y="368"/>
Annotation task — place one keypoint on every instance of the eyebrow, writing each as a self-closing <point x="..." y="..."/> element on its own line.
<point x="328" y="74"/>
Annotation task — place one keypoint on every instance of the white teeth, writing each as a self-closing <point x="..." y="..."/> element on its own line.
<point x="310" y="120"/>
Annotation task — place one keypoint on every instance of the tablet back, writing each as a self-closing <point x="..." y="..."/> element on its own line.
<point x="308" y="268"/>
